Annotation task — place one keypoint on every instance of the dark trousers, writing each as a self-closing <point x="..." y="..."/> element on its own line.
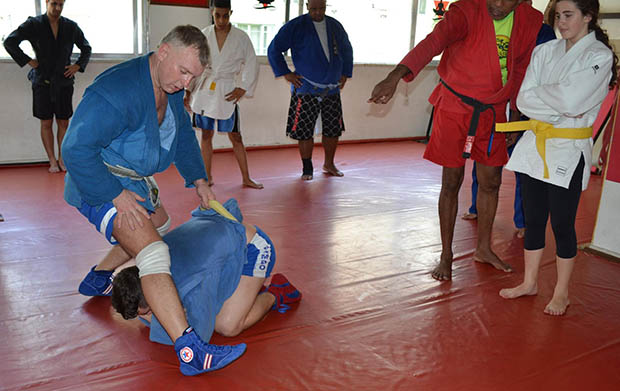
<point x="541" y="200"/>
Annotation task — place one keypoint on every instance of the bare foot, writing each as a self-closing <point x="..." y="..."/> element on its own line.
<point x="520" y="233"/>
<point x="333" y="171"/>
<point x="443" y="271"/>
<point x="493" y="260"/>
<point x="211" y="183"/>
<point x="252" y="184"/>
<point x="522" y="289"/>
<point x="306" y="177"/>
<point x="61" y="165"/>
<point x="469" y="216"/>
<point x="557" y="306"/>
<point x="53" y="168"/>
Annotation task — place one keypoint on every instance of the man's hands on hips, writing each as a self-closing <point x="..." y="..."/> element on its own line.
<point x="342" y="81"/>
<point x="204" y="192"/>
<point x="71" y="70"/>
<point x="294" y="79"/>
<point x="128" y="209"/>
<point x="33" y="63"/>
<point x="235" y="95"/>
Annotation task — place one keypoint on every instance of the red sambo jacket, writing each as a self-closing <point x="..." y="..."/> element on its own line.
<point x="470" y="63"/>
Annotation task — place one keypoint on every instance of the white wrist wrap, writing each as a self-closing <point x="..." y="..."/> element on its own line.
<point x="153" y="259"/>
<point x="164" y="228"/>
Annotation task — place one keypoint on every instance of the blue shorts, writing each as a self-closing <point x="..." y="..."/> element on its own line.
<point x="102" y="217"/>
<point x="261" y="256"/>
<point x="230" y="125"/>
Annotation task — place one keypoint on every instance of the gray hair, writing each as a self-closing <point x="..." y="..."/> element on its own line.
<point x="189" y="36"/>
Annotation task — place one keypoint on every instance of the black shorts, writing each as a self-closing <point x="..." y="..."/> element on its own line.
<point x="46" y="105"/>
<point x="304" y="111"/>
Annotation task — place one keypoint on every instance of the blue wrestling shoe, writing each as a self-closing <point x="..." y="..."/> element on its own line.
<point x="284" y="292"/>
<point x="198" y="357"/>
<point x="97" y="283"/>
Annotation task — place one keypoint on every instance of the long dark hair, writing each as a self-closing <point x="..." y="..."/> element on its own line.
<point x="591" y="7"/>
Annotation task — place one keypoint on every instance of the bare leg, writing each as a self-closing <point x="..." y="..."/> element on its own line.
<point x="244" y="308"/>
<point x="330" y="144"/>
<point x="159" y="290"/>
<point x="206" y="147"/>
<point x="489" y="180"/>
<point x="62" y="125"/>
<point x="529" y="286"/>
<point x="47" y="137"/>
<point x="451" y="180"/>
<point x="559" y="302"/>
<point x="118" y="256"/>
<point x="242" y="158"/>
<point x="305" y="151"/>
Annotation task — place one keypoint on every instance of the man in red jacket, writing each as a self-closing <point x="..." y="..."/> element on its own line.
<point x="486" y="47"/>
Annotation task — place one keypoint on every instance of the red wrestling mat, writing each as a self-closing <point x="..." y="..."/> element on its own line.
<point x="360" y="248"/>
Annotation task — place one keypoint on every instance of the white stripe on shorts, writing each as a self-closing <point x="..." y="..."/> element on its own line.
<point x="264" y="256"/>
<point x="103" y="227"/>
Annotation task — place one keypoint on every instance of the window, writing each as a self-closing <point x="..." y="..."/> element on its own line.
<point x="260" y="35"/>
<point x="246" y="14"/>
<point x="113" y="28"/>
<point x="12" y="14"/>
<point x="379" y="30"/>
<point x="427" y="18"/>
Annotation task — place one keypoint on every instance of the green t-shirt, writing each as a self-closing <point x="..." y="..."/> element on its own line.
<point x="503" y="28"/>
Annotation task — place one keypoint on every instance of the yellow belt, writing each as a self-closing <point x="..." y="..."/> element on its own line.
<point x="544" y="131"/>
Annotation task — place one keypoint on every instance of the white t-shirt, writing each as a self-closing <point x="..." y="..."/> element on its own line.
<point x="321" y="30"/>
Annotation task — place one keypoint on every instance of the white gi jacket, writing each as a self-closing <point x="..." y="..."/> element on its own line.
<point x="218" y="79"/>
<point x="558" y="86"/>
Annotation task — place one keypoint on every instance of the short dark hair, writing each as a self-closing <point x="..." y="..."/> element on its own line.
<point x="127" y="294"/>
<point x="189" y="36"/>
<point x="220" y="4"/>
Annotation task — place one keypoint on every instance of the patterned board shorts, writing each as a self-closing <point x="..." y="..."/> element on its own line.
<point x="304" y="111"/>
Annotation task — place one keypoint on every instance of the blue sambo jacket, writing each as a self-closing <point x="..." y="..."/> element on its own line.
<point x="116" y="122"/>
<point x="207" y="254"/>
<point x="309" y="59"/>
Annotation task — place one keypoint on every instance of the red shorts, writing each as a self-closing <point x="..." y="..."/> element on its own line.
<point x="448" y="139"/>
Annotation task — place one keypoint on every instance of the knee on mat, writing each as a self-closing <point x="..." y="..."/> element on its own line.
<point x="228" y="327"/>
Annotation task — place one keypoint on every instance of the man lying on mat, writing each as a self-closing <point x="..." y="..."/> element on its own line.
<point x="219" y="266"/>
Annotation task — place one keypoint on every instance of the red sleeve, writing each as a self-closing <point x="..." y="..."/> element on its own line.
<point x="452" y="28"/>
<point x="521" y="64"/>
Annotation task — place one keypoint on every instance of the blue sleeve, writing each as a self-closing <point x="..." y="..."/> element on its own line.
<point x="95" y="124"/>
<point x="347" y="54"/>
<point x="280" y="44"/>
<point x="188" y="158"/>
<point x="545" y="34"/>
<point x="25" y="31"/>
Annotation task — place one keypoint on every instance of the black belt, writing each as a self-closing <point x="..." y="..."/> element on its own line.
<point x="479" y="108"/>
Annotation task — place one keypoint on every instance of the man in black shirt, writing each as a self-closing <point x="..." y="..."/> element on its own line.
<point x="52" y="37"/>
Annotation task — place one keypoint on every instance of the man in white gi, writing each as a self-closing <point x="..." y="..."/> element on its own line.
<point x="214" y="97"/>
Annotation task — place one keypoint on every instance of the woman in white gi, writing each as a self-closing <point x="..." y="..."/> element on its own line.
<point x="562" y="92"/>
